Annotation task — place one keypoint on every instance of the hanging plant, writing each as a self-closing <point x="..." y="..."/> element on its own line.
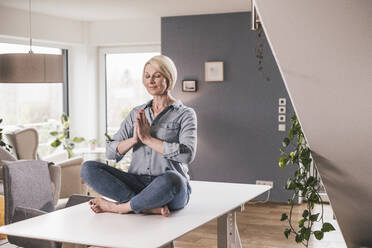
<point x="2" y="143"/>
<point x="304" y="183"/>
<point x="63" y="137"/>
<point x="259" y="51"/>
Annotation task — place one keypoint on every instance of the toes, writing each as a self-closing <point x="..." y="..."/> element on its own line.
<point x="95" y="208"/>
<point x="93" y="201"/>
<point x="165" y="211"/>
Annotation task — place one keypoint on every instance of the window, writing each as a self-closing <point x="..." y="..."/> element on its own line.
<point x="124" y="86"/>
<point x="37" y="105"/>
<point x="121" y="71"/>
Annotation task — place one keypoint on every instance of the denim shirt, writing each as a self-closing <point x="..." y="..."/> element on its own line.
<point x="176" y="126"/>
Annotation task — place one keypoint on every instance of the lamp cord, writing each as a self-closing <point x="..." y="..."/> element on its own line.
<point x="29" y="20"/>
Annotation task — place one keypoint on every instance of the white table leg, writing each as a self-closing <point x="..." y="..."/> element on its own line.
<point x="222" y="232"/>
<point x="227" y="231"/>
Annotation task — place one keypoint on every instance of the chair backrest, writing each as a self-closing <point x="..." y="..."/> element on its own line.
<point x="4" y="155"/>
<point x="27" y="183"/>
<point x="54" y="171"/>
<point x="25" y="143"/>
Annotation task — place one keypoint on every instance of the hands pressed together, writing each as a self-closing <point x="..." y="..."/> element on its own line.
<point x="141" y="133"/>
<point x="142" y="128"/>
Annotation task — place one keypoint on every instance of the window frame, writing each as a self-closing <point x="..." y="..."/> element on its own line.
<point x="66" y="105"/>
<point x="65" y="86"/>
<point x="65" y="83"/>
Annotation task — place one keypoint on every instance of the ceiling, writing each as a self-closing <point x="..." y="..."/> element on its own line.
<point x="94" y="10"/>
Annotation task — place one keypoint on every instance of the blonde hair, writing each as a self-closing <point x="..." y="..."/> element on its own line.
<point x="166" y="67"/>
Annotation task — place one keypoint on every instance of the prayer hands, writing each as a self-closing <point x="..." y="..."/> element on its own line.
<point x="142" y="128"/>
<point x="135" y="133"/>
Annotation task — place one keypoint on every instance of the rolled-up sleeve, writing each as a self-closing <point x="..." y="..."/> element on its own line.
<point x="125" y="132"/>
<point x="184" y="151"/>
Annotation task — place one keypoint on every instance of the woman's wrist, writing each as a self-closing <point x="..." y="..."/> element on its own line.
<point x="122" y="148"/>
<point x="154" y="143"/>
<point x="147" y="140"/>
<point x="133" y="141"/>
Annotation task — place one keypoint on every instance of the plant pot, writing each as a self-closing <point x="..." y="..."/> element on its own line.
<point x="92" y="146"/>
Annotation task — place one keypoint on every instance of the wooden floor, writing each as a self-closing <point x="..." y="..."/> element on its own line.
<point x="259" y="227"/>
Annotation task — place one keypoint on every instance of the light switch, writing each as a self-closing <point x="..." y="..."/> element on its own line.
<point x="281" y="127"/>
<point x="281" y="110"/>
<point x="281" y="118"/>
<point x="282" y="101"/>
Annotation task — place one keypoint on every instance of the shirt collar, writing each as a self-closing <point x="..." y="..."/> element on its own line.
<point x="177" y="104"/>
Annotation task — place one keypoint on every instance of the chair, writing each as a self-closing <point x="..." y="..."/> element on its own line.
<point x="28" y="192"/>
<point x="4" y="155"/>
<point x="25" y="143"/>
<point x="54" y="172"/>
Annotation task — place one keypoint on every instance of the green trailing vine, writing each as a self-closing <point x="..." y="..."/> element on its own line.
<point x="2" y="142"/>
<point x="63" y="137"/>
<point x="305" y="183"/>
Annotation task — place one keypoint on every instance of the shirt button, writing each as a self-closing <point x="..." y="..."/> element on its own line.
<point x="148" y="153"/>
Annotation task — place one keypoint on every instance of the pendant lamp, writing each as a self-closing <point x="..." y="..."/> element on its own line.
<point x="30" y="67"/>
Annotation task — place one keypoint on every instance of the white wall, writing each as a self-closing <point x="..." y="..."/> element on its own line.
<point x="83" y="91"/>
<point x="83" y="40"/>
<point x="324" y="52"/>
<point x="14" y="23"/>
<point x="131" y="31"/>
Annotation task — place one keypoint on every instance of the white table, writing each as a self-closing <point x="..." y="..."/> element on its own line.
<point x="79" y="225"/>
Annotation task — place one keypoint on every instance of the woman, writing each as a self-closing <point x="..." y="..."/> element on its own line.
<point x="162" y="134"/>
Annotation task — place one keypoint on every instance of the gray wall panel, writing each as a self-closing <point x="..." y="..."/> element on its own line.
<point x="238" y="139"/>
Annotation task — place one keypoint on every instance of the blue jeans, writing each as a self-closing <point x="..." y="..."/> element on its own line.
<point x="143" y="191"/>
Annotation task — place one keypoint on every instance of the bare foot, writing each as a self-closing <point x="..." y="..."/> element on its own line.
<point x="100" y="205"/>
<point x="162" y="210"/>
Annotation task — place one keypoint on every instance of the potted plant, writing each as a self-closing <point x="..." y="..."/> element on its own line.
<point x="93" y="144"/>
<point x="63" y="137"/>
<point x="305" y="184"/>
<point x="259" y="52"/>
<point x="108" y="137"/>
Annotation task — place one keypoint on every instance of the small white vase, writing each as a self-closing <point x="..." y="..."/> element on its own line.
<point x="92" y="146"/>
